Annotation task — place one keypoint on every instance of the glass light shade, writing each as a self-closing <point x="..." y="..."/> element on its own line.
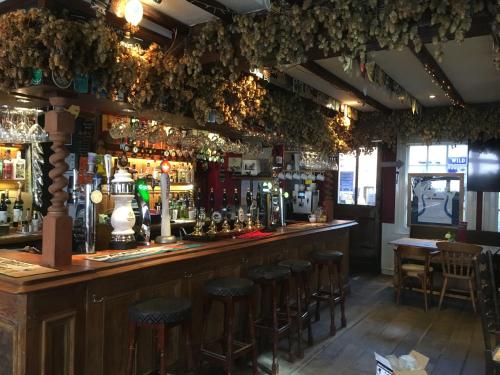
<point x="133" y="12"/>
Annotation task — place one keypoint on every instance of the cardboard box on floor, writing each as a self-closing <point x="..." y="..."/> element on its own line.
<point x="384" y="366"/>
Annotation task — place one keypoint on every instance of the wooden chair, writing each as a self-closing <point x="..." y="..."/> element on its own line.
<point x="414" y="263"/>
<point x="486" y="292"/>
<point x="457" y="262"/>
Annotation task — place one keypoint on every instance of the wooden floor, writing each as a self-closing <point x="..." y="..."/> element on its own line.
<point x="451" y="338"/>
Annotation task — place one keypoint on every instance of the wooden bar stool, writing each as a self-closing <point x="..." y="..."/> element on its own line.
<point x="332" y="260"/>
<point x="276" y="279"/>
<point x="159" y="314"/>
<point x="229" y="291"/>
<point x="301" y="270"/>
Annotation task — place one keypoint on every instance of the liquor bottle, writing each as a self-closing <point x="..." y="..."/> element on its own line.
<point x="36" y="221"/>
<point x="17" y="209"/>
<point x="3" y="211"/>
<point x="19" y="167"/>
<point x="249" y="200"/>
<point x="25" y="222"/>
<point x="7" y="166"/>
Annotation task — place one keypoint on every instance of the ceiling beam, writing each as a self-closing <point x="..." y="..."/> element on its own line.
<point x="329" y="77"/>
<point x="215" y="8"/>
<point x="438" y="76"/>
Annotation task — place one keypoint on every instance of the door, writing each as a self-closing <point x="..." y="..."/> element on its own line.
<point x="358" y="198"/>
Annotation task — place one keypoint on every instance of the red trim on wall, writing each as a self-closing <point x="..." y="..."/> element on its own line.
<point x="388" y="186"/>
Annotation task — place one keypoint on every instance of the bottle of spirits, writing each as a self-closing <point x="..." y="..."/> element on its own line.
<point x="25" y="223"/>
<point x="19" y="167"/>
<point x="17" y="209"/>
<point x="3" y="210"/>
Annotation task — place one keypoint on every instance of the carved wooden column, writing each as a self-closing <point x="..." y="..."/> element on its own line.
<point x="329" y="194"/>
<point x="58" y="225"/>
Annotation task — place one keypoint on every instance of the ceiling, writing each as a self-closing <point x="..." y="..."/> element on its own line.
<point x="469" y="66"/>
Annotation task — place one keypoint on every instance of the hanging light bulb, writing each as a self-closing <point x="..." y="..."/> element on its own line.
<point x="133" y="12"/>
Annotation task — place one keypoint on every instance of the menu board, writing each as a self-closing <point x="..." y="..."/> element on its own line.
<point x="15" y="268"/>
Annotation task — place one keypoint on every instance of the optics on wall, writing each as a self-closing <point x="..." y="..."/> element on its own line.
<point x="133" y="12"/>
<point x="432" y="96"/>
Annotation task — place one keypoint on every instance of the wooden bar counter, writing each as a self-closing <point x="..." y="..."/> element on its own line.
<point x="74" y="321"/>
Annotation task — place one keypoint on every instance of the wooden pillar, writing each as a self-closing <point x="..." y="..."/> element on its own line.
<point x="58" y="225"/>
<point x="329" y="194"/>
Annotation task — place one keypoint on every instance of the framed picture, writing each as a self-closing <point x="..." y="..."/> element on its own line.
<point x="435" y="199"/>
<point x="234" y="164"/>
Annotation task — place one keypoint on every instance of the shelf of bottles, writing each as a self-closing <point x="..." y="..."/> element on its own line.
<point x="15" y="198"/>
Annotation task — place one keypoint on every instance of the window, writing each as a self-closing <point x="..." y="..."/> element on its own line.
<point x="358" y="178"/>
<point x="438" y="159"/>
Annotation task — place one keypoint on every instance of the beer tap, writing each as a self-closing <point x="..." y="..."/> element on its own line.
<point x="225" y="225"/>
<point x="166" y="232"/>
<point x="249" y="200"/>
<point x="238" y="224"/>
<point x="212" y="229"/>
<point x="198" y="228"/>
<point x="107" y="167"/>
<point x="258" y="198"/>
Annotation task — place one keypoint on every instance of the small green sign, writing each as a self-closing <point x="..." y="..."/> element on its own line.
<point x="37" y="76"/>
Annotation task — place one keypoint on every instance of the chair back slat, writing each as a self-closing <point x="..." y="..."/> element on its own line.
<point x="486" y="292"/>
<point x="457" y="258"/>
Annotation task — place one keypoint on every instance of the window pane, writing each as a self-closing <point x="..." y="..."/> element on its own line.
<point x="417" y="159"/>
<point x="347" y="178"/>
<point x="437" y="155"/>
<point x="367" y="178"/>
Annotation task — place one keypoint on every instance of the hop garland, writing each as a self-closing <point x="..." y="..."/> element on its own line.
<point x="152" y="78"/>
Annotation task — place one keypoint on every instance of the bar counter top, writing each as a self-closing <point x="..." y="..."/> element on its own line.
<point x="83" y="270"/>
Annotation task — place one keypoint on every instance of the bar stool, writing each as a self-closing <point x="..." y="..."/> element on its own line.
<point x="333" y="261"/>
<point x="301" y="270"/>
<point x="275" y="278"/>
<point x="230" y="291"/>
<point x="159" y="314"/>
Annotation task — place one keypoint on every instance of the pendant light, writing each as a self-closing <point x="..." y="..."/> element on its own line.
<point x="133" y="12"/>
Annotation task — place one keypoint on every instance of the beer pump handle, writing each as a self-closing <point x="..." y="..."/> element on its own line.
<point x="74" y="187"/>
<point x="107" y="166"/>
<point x="165" y="204"/>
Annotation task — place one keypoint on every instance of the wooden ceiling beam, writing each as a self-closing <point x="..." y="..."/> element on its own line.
<point x="329" y="77"/>
<point x="215" y="8"/>
<point x="438" y="76"/>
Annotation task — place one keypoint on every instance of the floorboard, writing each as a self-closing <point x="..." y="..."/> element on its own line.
<point x="450" y="337"/>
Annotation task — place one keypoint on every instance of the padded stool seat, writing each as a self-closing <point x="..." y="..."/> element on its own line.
<point x="229" y="287"/>
<point x="296" y="265"/>
<point x="327" y="255"/>
<point x="160" y="315"/>
<point x="269" y="273"/>
<point x="160" y="311"/>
